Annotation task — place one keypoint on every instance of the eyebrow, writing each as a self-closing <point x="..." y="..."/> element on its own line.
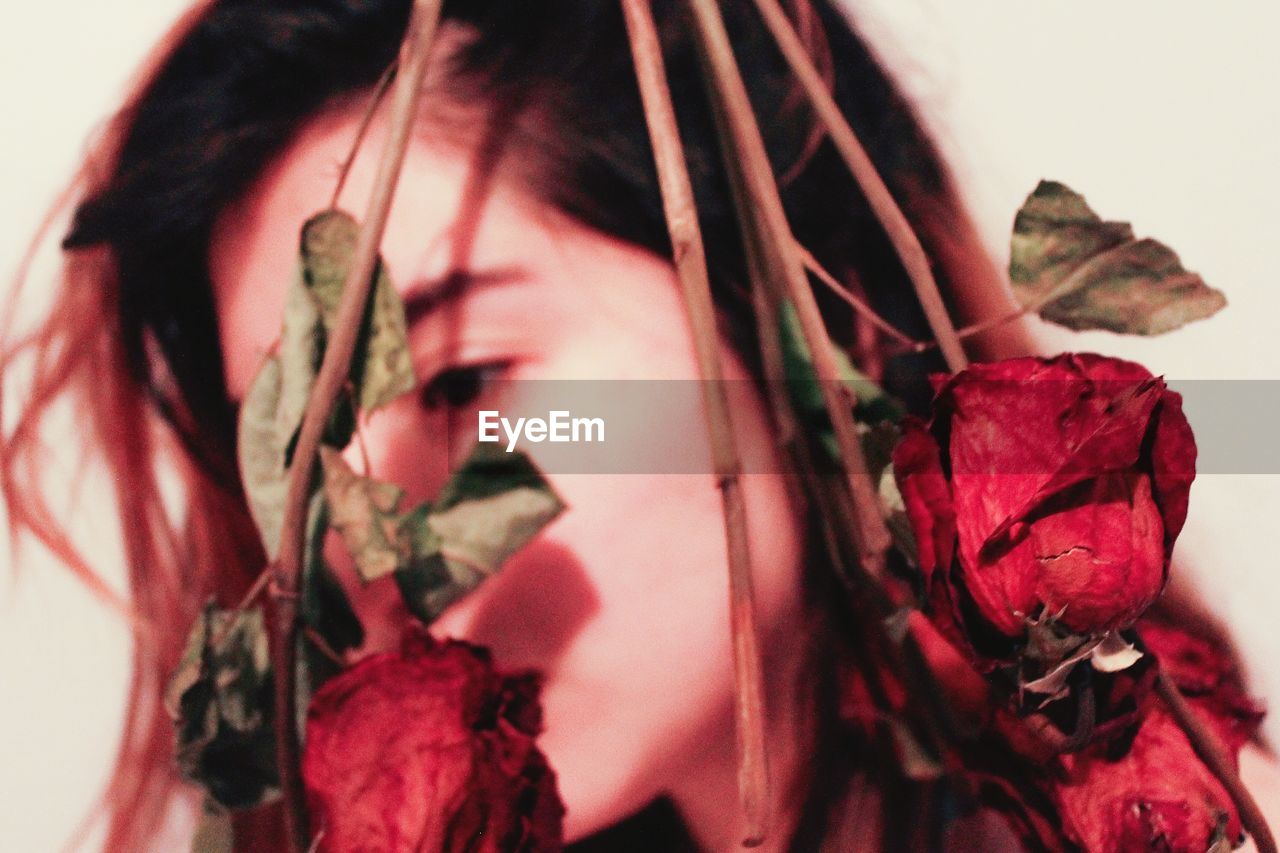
<point x="424" y="298"/>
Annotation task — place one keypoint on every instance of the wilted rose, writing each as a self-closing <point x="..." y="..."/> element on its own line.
<point x="1049" y="490"/>
<point x="1156" y="794"/>
<point x="431" y="750"/>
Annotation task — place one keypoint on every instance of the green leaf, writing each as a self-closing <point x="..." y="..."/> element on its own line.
<point x="382" y="368"/>
<point x="1079" y="271"/>
<point x="220" y="699"/>
<point x="873" y="404"/>
<point x="366" y="513"/>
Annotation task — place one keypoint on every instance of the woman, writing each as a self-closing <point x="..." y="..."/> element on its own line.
<point x="530" y="193"/>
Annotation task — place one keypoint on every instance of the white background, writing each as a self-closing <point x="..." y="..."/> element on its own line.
<point x="1163" y="113"/>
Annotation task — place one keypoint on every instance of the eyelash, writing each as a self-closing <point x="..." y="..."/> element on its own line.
<point x="461" y="385"/>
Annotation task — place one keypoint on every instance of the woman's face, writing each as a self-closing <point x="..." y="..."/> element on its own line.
<point x="622" y="601"/>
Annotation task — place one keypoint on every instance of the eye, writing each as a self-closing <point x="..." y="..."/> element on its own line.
<point x="460" y="386"/>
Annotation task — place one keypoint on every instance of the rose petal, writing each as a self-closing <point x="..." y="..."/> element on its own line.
<point x="430" y="750"/>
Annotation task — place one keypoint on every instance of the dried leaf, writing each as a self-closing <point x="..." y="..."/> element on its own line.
<point x="301" y="349"/>
<point x="1049" y="642"/>
<point x="382" y="368"/>
<point x="915" y="759"/>
<point x="327" y="244"/>
<point x="1220" y="842"/>
<point x="1053" y="684"/>
<point x="220" y="701"/>
<point x="367" y="515"/>
<point x="261" y="456"/>
<point x="489" y="509"/>
<point x="895" y="517"/>
<point x="1078" y="271"/>
<point x="327" y="613"/>
<point x="898" y="624"/>
<point x="428" y="581"/>
<point x="303" y="337"/>
<point x="492" y="506"/>
<point x="272" y="411"/>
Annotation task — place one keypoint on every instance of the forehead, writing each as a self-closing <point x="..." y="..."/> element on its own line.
<point x="451" y="211"/>
<point x="457" y="208"/>
<point x="442" y="186"/>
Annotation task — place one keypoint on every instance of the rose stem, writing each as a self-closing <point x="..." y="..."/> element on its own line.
<point x="895" y="224"/>
<point x="909" y="343"/>
<point x="1078" y="278"/>
<point x="259" y="584"/>
<point x="1208" y="746"/>
<point x="833" y="284"/>
<point x="773" y="257"/>
<point x="329" y="383"/>
<point x="766" y="230"/>
<point x="690" y="261"/>
<point x="379" y="91"/>
<point x="974" y="329"/>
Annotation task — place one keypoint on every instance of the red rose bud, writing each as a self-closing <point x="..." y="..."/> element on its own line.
<point x="1049" y="490"/>
<point x="430" y="750"/>
<point x="1158" y="796"/>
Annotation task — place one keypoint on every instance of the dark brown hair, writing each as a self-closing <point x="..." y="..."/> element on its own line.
<point x="134" y="334"/>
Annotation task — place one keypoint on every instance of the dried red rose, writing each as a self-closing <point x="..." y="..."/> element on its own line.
<point x="1158" y="795"/>
<point x="431" y="750"/>
<point x="1045" y="489"/>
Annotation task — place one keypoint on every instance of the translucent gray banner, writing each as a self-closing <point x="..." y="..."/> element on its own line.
<point x="658" y="426"/>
